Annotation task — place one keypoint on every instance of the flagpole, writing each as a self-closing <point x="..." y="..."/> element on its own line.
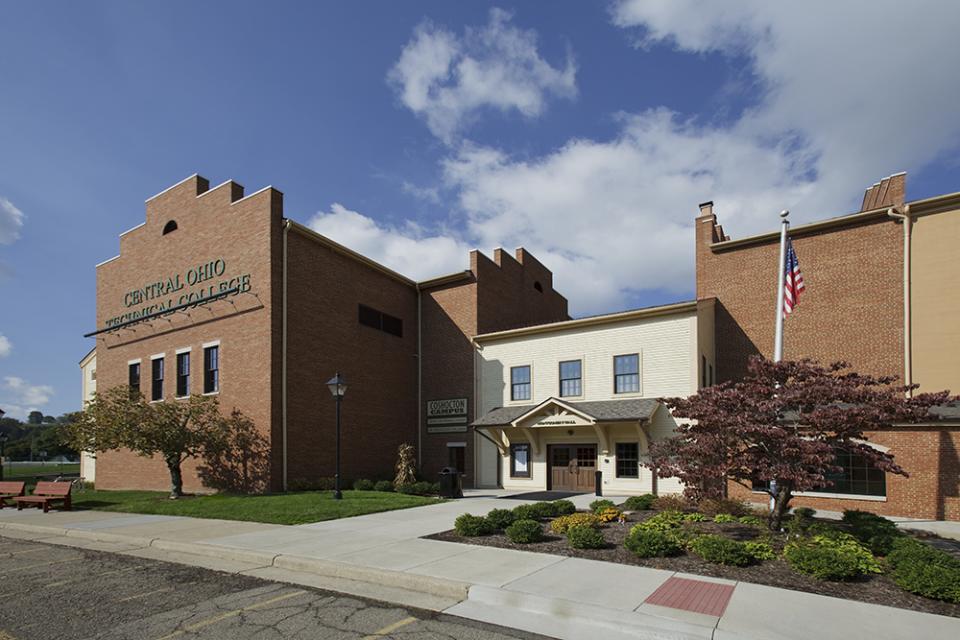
<point x="781" y="283"/>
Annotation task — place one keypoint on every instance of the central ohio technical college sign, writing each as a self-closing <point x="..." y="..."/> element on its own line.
<point x="447" y="416"/>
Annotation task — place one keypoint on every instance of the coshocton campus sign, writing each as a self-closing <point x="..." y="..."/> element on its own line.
<point x="193" y="286"/>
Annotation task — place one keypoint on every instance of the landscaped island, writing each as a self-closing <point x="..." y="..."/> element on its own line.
<point x="863" y="557"/>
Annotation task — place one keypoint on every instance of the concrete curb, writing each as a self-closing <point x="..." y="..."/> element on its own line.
<point x="102" y="536"/>
<point x="441" y="587"/>
<point x="32" y="528"/>
<point x="566" y="619"/>
<point x="261" y="558"/>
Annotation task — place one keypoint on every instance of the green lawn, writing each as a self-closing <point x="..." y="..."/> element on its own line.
<point x="281" y="508"/>
<point x="30" y="470"/>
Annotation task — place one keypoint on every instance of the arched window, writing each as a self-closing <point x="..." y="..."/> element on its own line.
<point x="538" y="286"/>
<point x="170" y="226"/>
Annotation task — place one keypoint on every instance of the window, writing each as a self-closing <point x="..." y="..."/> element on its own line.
<point x="156" y="389"/>
<point x="133" y="377"/>
<point x="858" y="477"/>
<point x="370" y="317"/>
<point x="93" y="375"/>
<point x="170" y="226"/>
<point x="628" y="460"/>
<point x="626" y="373"/>
<point x="538" y="286"/>
<point x="570" y="378"/>
<point x="183" y="374"/>
<point x="211" y="369"/>
<point x="520" y="383"/>
<point x="520" y="461"/>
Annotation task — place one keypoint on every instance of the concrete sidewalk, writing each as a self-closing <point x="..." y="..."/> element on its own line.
<point x="383" y="556"/>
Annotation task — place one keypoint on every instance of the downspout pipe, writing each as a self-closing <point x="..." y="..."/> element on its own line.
<point x="283" y="357"/>
<point x="907" y="221"/>
<point x="419" y="379"/>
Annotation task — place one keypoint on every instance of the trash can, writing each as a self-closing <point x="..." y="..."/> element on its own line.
<point x="451" y="485"/>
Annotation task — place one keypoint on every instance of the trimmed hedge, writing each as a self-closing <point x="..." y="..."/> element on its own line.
<point x="363" y="485"/>
<point x="383" y="485"/>
<point x="835" y="557"/>
<point x="525" y="531"/>
<point x="563" y="507"/>
<point x="599" y="505"/>
<point x="721" y="550"/>
<point x="649" y="543"/>
<point x="535" y="511"/>
<point x="585" y="537"/>
<point x="639" y="503"/>
<point x="875" y="532"/>
<point x="470" y="525"/>
<point x="501" y="518"/>
<point x="421" y="488"/>
<point x="919" y="568"/>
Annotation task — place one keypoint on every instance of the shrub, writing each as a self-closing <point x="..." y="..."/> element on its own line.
<point x="721" y="550"/>
<point x="713" y="507"/>
<point x="565" y="523"/>
<point x="525" y="512"/>
<point x="314" y="484"/>
<point x="671" y="503"/>
<point x="609" y="514"/>
<point x="663" y="521"/>
<point x="721" y="518"/>
<point x="383" y="485"/>
<point x="876" y="532"/>
<point x="418" y="488"/>
<point x="753" y="521"/>
<point x="470" y="525"/>
<point x="563" y="507"/>
<point x="694" y="517"/>
<point x="434" y="489"/>
<point x="639" y="503"/>
<point x="525" y="531"/>
<point x="835" y="557"/>
<point x="599" y="505"/>
<point x="363" y="485"/>
<point x="649" y="543"/>
<point x="805" y="513"/>
<point x="544" y="509"/>
<point x="501" y="518"/>
<point x="919" y="568"/>
<point x="759" y="550"/>
<point x="585" y="537"/>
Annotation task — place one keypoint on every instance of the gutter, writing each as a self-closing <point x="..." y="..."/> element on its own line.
<point x="283" y="356"/>
<point x="907" y="219"/>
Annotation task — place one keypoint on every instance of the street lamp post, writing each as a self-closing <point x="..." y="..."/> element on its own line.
<point x="3" y="445"/>
<point x="338" y="387"/>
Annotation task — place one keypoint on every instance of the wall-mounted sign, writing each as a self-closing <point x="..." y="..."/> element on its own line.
<point x="194" y="285"/>
<point x="447" y="416"/>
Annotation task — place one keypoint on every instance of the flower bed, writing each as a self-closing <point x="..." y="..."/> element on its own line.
<point x="815" y="556"/>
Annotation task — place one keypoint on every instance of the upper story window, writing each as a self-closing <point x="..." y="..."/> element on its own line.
<point x="520" y="383"/>
<point x="626" y="373"/>
<point x="370" y="317"/>
<point x="571" y="383"/>
<point x="156" y="387"/>
<point x="183" y="374"/>
<point x="133" y="376"/>
<point x="211" y="369"/>
<point x="170" y="226"/>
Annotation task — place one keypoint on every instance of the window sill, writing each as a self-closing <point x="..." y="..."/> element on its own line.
<point x="835" y="496"/>
<point x="212" y="393"/>
<point x="187" y="397"/>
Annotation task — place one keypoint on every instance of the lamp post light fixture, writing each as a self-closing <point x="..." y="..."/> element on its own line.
<point x="338" y="387"/>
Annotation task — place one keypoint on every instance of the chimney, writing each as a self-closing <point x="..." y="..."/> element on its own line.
<point x="889" y="192"/>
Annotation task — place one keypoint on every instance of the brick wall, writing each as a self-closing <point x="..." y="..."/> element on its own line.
<point x="212" y="224"/>
<point x="325" y="287"/>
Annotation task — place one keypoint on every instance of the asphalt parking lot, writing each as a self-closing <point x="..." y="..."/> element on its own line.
<point x="50" y="591"/>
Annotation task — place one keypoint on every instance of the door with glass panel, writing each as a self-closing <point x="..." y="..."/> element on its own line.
<point x="572" y="466"/>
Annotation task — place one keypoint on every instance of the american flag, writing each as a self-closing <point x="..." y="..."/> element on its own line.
<point x="793" y="281"/>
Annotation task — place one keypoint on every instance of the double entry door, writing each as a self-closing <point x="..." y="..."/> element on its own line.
<point x="572" y="466"/>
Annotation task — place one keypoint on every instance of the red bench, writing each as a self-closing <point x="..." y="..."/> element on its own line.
<point x="45" y="494"/>
<point x="10" y="489"/>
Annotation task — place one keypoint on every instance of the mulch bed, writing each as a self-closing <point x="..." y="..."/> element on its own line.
<point x="875" y="589"/>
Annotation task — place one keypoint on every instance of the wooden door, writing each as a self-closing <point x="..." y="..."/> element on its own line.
<point x="572" y="467"/>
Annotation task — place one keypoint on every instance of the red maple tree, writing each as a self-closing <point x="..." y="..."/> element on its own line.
<point x="780" y="428"/>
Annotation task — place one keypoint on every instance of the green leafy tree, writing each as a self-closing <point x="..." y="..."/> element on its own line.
<point x="174" y="431"/>
<point x="35" y="417"/>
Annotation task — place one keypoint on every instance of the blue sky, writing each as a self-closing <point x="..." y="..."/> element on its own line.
<point x="415" y="131"/>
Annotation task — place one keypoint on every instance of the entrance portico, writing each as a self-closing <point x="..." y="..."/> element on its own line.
<point x="559" y="445"/>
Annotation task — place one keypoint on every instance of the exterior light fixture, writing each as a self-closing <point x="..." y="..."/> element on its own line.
<point x="338" y="387"/>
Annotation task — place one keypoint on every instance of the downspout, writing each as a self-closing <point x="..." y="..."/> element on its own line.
<point x="283" y="356"/>
<point x="907" y="221"/>
<point x="419" y="379"/>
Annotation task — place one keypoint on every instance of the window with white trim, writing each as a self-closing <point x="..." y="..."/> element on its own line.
<point x="520" y="383"/>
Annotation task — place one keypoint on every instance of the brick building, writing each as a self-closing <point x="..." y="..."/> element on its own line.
<point x="218" y="293"/>
<point x="882" y="294"/>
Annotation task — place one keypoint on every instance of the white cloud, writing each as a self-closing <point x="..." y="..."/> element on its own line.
<point x="447" y="79"/>
<point x="5" y="346"/>
<point x="11" y="221"/>
<point x="21" y="397"/>
<point x="428" y="194"/>
<point x="409" y="250"/>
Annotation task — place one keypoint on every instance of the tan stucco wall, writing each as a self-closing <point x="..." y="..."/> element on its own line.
<point x="88" y="387"/>
<point x="935" y="301"/>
